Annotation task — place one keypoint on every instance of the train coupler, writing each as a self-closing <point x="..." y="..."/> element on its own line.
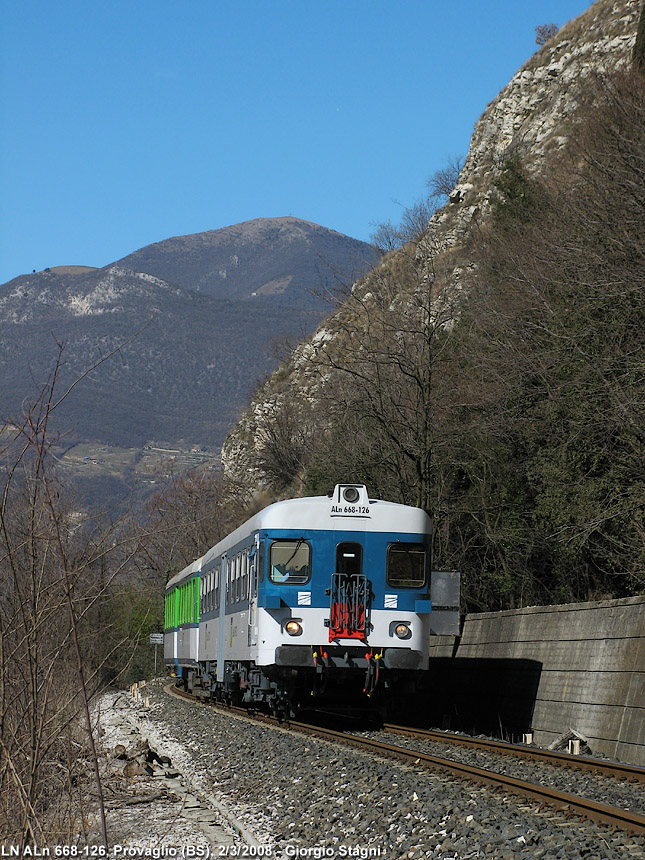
<point x="372" y="675"/>
<point x="319" y="656"/>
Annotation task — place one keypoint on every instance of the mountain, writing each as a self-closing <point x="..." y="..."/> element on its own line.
<point x="280" y="260"/>
<point x="190" y="348"/>
<point x="190" y="364"/>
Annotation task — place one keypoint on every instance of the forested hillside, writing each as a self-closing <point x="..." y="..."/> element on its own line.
<point x="492" y="370"/>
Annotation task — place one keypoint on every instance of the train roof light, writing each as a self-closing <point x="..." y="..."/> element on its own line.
<point x="351" y="495"/>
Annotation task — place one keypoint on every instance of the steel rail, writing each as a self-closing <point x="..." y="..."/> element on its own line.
<point x="612" y="816"/>
<point x="618" y="769"/>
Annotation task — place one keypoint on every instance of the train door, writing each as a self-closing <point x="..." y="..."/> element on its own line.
<point x="253" y="593"/>
<point x="223" y="601"/>
<point x="349" y="558"/>
<point x="350" y="604"/>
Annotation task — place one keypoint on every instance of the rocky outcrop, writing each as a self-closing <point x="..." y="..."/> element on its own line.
<point x="537" y="111"/>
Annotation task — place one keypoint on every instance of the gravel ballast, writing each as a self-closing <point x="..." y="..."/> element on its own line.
<point x="593" y="786"/>
<point x="303" y="797"/>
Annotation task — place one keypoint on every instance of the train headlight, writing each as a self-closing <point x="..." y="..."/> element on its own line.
<point x="351" y="495"/>
<point x="293" y="628"/>
<point x="402" y="631"/>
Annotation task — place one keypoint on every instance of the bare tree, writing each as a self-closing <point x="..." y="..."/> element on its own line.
<point x="443" y="181"/>
<point x="382" y="368"/>
<point x="551" y="467"/>
<point x="415" y="218"/>
<point x="283" y="440"/>
<point x="50" y="553"/>
<point x="188" y="514"/>
<point x="544" y="32"/>
<point x="413" y="224"/>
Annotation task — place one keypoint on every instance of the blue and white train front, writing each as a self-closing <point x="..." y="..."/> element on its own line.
<point x="344" y="594"/>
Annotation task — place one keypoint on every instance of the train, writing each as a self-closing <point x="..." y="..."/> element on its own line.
<point x="319" y="602"/>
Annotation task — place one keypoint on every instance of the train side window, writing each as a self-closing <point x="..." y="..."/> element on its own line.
<point x="260" y="562"/>
<point x="216" y="587"/>
<point x="238" y="576"/>
<point x="349" y="558"/>
<point x="290" y="561"/>
<point x="406" y="565"/>
<point x="245" y="574"/>
<point x="253" y="574"/>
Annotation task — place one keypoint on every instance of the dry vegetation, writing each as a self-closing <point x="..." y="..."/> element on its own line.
<point x="79" y="594"/>
<point x="511" y="409"/>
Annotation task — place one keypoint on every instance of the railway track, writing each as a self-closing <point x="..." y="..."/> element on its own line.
<point x="613" y="816"/>
<point x="620" y="770"/>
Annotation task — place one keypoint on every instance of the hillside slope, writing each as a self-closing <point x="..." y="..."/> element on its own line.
<point x="537" y="113"/>
<point x="491" y="370"/>
<point x="187" y="365"/>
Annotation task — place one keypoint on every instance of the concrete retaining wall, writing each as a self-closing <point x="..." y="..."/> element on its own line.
<point x="586" y="664"/>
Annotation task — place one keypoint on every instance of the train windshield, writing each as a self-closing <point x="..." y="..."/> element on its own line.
<point x="290" y="561"/>
<point x="406" y="565"/>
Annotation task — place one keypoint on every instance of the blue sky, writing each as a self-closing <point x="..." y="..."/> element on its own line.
<point x="125" y="123"/>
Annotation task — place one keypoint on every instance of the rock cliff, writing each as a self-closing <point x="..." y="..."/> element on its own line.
<point x="537" y="113"/>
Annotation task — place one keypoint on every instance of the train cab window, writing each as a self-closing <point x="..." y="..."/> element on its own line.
<point x="349" y="558"/>
<point x="406" y="565"/>
<point x="290" y="561"/>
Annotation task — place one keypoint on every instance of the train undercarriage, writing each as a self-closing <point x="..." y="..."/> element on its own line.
<point x="354" y="682"/>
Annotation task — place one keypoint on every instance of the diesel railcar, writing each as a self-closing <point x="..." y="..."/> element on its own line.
<point x="309" y="602"/>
